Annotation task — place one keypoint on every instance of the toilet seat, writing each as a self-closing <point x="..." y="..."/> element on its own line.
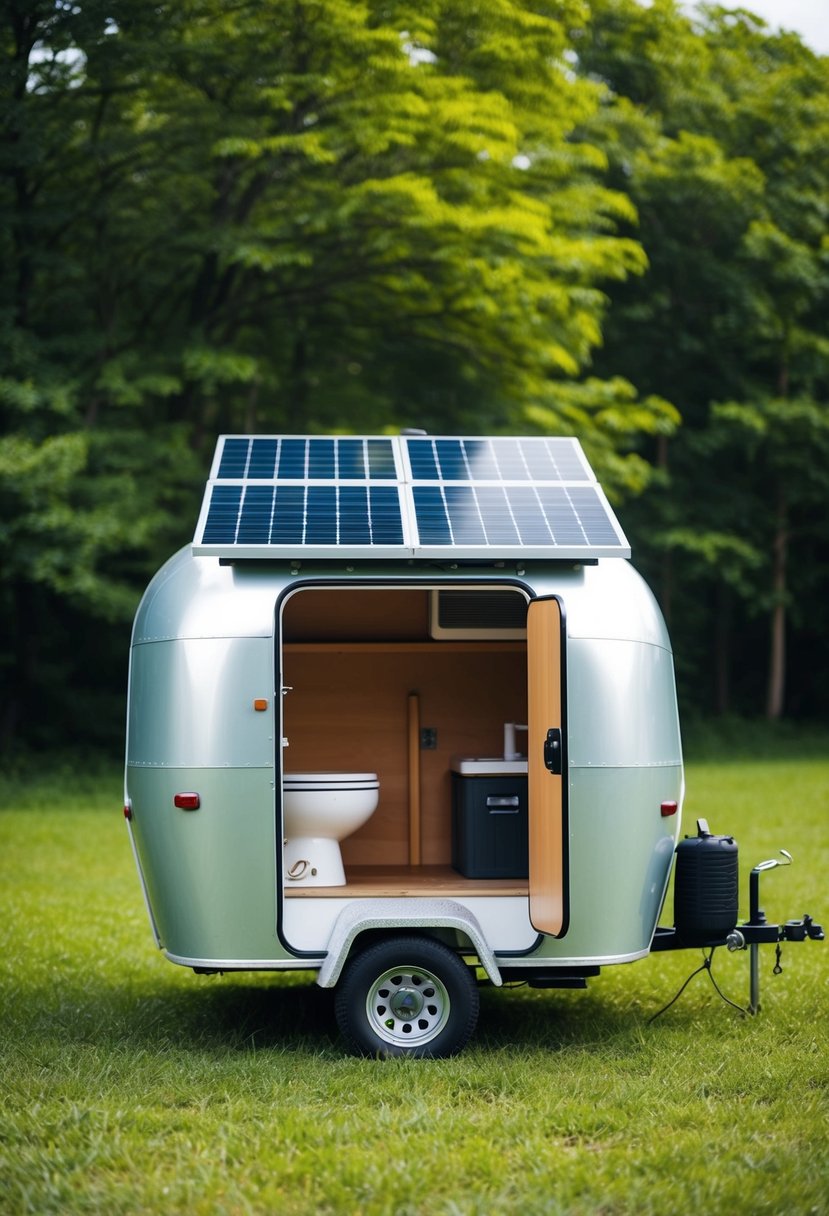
<point x="330" y="781"/>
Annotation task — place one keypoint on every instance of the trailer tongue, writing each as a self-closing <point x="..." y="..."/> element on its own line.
<point x="705" y="906"/>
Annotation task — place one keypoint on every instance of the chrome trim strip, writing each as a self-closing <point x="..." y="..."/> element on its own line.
<point x="554" y="964"/>
<point x="144" y="891"/>
<point x="247" y="964"/>
<point x="313" y="964"/>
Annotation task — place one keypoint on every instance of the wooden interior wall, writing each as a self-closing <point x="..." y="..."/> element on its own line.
<point x="361" y="613"/>
<point x="348" y="711"/>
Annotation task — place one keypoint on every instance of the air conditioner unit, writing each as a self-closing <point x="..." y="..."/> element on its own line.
<point x="482" y="614"/>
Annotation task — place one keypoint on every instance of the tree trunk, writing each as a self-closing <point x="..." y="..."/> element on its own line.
<point x="666" y="582"/>
<point x="666" y="590"/>
<point x="777" y="652"/>
<point x="250" y="426"/>
<point x="17" y="698"/>
<point x="297" y="405"/>
<point x="722" y="650"/>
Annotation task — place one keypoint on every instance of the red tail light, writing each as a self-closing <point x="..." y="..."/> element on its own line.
<point x="187" y="801"/>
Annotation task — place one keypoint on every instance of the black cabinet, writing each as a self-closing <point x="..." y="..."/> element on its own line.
<point x="489" y="826"/>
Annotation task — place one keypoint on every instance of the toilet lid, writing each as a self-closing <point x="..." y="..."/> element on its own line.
<point x="328" y="781"/>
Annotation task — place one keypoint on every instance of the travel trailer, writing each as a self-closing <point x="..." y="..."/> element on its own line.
<point x="404" y="715"/>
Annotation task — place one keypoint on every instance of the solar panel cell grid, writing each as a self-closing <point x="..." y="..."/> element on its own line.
<point x="262" y="458"/>
<point x="496" y="513"/>
<point x="386" y="521"/>
<point x="223" y="515"/>
<point x="593" y="514"/>
<point x="505" y="460"/>
<point x="306" y="459"/>
<point x="288" y="524"/>
<point x="234" y="458"/>
<point x="255" y="515"/>
<point x="529" y="519"/>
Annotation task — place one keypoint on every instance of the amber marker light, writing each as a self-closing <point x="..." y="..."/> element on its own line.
<point x="260" y="704"/>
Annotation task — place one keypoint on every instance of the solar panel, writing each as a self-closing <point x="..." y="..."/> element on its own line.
<point x="471" y="497"/>
<point x="516" y="496"/>
<point x="295" y="517"/>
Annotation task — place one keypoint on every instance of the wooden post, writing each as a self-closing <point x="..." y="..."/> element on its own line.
<point x="414" y="779"/>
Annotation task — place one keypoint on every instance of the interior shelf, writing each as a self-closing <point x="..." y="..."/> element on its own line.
<point x="405" y="647"/>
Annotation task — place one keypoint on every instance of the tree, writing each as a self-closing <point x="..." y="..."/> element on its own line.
<point x="717" y="130"/>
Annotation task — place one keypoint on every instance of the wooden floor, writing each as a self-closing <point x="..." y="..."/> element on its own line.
<point x="364" y="881"/>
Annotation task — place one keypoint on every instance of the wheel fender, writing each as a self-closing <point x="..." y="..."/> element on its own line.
<point x="365" y="914"/>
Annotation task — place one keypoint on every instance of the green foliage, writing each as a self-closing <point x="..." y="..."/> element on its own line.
<point x="308" y="217"/>
<point x="291" y="191"/>
<point x="611" y="418"/>
<point x="715" y="129"/>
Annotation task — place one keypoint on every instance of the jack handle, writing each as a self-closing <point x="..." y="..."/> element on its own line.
<point x="756" y="915"/>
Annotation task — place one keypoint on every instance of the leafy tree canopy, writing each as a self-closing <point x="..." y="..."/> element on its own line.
<point x="570" y="216"/>
<point x="307" y="217"/>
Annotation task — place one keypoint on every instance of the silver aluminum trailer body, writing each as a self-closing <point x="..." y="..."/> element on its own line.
<point x="206" y="647"/>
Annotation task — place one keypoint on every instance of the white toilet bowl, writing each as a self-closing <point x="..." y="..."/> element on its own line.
<point x="320" y="810"/>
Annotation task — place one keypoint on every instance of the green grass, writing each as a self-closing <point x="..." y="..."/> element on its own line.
<point x="132" y="1086"/>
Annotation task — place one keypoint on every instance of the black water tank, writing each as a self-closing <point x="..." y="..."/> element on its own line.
<point x="706" y="887"/>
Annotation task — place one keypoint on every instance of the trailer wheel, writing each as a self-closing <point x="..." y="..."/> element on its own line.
<point x="407" y="996"/>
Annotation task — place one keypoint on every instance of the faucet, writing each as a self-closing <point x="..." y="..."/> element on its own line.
<point x="509" y="740"/>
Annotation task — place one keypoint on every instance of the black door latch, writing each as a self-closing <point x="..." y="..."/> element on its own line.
<point x="552" y="751"/>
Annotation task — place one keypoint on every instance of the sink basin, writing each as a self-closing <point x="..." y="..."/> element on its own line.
<point x="480" y="766"/>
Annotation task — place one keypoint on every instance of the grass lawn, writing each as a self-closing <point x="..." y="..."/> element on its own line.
<point x="130" y="1085"/>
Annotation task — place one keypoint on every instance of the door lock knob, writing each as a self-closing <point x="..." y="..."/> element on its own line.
<point x="552" y="751"/>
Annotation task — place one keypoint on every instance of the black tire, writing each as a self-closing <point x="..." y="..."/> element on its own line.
<point x="407" y="996"/>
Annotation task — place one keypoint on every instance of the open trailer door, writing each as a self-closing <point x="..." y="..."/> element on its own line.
<point x="545" y="766"/>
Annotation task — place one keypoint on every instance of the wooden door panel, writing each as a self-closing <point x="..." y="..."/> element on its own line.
<point x="546" y="807"/>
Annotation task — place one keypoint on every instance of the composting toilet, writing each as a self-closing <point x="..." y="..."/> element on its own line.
<point x="320" y="810"/>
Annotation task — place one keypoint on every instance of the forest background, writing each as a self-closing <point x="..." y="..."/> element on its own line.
<point x="587" y="218"/>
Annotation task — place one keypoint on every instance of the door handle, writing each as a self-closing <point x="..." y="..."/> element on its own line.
<point x="552" y="751"/>
<point x="504" y="806"/>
